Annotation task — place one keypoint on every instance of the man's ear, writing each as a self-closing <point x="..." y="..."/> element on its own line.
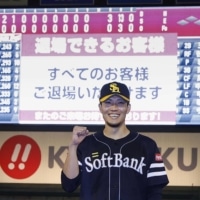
<point x="128" y="109"/>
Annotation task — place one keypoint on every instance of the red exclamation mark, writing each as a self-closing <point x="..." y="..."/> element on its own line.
<point x="15" y="156"/>
<point x="25" y="156"/>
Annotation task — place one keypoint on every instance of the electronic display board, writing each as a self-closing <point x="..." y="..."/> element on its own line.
<point x="53" y="62"/>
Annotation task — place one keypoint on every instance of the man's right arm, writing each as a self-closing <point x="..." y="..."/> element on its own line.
<point x="71" y="167"/>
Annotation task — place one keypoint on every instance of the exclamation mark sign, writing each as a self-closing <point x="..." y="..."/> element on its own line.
<point x="14" y="156"/>
<point x="25" y="156"/>
<point x="20" y="157"/>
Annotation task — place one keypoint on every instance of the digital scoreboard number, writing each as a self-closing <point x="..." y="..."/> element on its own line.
<point x="100" y="20"/>
<point x="22" y="27"/>
<point x="62" y="21"/>
<point x="10" y="48"/>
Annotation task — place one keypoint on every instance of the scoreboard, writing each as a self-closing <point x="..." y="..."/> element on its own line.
<point x="53" y="62"/>
<point x="180" y="20"/>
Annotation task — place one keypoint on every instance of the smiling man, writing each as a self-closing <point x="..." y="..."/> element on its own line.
<point x="116" y="163"/>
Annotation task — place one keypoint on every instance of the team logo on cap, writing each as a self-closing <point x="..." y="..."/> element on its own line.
<point x="114" y="88"/>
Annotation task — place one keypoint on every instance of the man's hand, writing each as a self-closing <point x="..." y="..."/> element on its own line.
<point x="79" y="134"/>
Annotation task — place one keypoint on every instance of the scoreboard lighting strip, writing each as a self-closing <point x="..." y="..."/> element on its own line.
<point x="65" y="10"/>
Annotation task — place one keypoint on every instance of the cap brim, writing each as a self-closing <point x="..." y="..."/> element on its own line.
<point x="108" y="96"/>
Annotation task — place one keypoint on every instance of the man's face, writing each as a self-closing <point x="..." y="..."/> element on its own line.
<point x="114" y="110"/>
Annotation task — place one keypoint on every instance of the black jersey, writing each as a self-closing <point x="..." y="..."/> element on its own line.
<point x="123" y="169"/>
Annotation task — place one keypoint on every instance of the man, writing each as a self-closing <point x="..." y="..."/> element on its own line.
<point x="116" y="163"/>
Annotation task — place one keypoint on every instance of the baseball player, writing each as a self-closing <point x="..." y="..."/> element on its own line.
<point x="116" y="163"/>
